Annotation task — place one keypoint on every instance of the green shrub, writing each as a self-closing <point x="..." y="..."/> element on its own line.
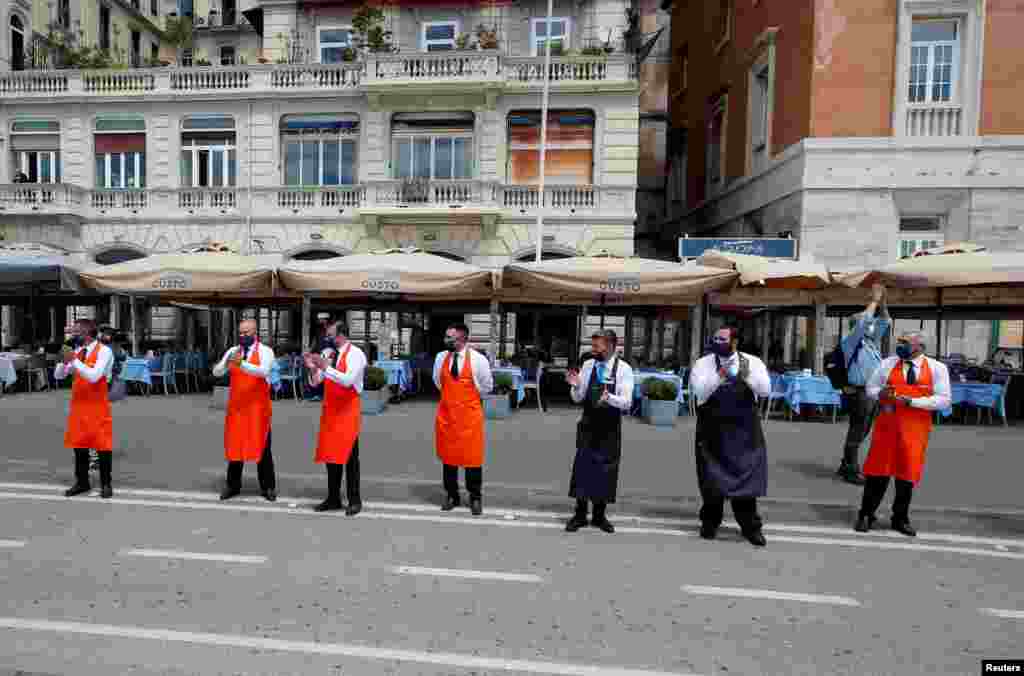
<point x="503" y="383"/>
<point x="374" y="379"/>
<point x="660" y="390"/>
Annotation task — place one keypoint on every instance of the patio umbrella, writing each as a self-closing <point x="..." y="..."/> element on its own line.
<point x="188" y="275"/>
<point x="408" y="273"/>
<point x="953" y="265"/>
<point x="24" y="270"/>
<point x="772" y="273"/>
<point x="604" y="279"/>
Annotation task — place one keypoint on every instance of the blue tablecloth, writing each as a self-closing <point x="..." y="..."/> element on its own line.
<point x="399" y="372"/>
<point x="815" y="390"/>
<point x="982" y="395"/>
<point x="136" y="371"/>
<point x="518" y="381"/>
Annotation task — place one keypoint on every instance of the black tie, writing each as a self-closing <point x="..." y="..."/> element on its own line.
<point x="911" y="378"/>
<point x="455" y="365"/>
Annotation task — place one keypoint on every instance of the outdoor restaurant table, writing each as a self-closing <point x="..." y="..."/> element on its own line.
<point x="982" y="395"/>
<point x="399" y="372"/>
<point x="801" y="389"/>
<point x="518" y="381"/>
<point x="136" y="370"/>
<point x="8" y="376"/>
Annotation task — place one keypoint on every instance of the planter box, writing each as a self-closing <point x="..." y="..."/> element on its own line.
<point x="661" y="413"/>
<point x="219" y="398"/>
<point x="497" y="406"/>
<point x="373" y="402"/>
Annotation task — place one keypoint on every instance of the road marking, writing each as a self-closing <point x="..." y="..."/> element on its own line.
<point x="485" y="664"/>
<point x="192" y="556"/>
<point x="740" y="592"/>
<point x="399" y="480"/>
<point x="29" y="463"/>
<point x="1004" y="614"/>
<point x="770" y="529"/>
<point x="261" y="506"/>
<point x="12" y="544"/>
<point x="469" y="574"/>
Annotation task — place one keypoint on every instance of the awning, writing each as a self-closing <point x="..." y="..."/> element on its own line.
<point x="772" y="273"/>
<point x="25" y="270"/>
<point x="188" y="276"/>
<point x="952" y="265"/>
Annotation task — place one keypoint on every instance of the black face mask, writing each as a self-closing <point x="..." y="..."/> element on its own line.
<point x="246" y="341"/>
<point x="450" y="344"/>
<point x="76" y="342"/>
<point x="326" y="343"/>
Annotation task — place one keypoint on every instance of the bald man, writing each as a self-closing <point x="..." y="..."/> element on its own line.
<point x="247" y="423"/>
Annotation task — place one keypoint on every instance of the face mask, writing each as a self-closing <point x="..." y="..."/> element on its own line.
<point x="903" y="351"/>
<point x="449" y="344"/>
<point x="326" y="343"/>
<point x="76" y="342"/>
<point x="246" y="341"/>
<point x="106" y="340"/>
<point x="722" y="349"/>
<point x="599" y="356"/>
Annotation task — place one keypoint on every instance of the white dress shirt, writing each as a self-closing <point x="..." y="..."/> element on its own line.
<point x="104" y="367"/>
<point x="705" y="379"/>
<point x="355" y="367"/>
<point x="482" y="377"/>
<point x="261" y="371"/>
<point x="622" y="398"/>
<point x="942" y="394"/>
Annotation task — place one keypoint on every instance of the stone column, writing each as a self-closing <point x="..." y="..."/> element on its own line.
<point x="307" y="309"/>
<point x="696" y="332"/>
<point x="495" y="330"/>
<point x="10" y="325"/>
<point x="135" y="326"/>
<point x="816" y="338"/>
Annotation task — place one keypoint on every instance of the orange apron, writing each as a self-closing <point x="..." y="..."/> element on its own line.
<point x="459" y="427"/>
<point x="340" y="419"/>
<point x="900" y="436"/>
<point x="90" y="424"/>
<point x="249" y="412"/>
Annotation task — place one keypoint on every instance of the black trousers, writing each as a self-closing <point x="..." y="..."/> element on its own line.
<point x="874" y="490"/>
<point x="599" y="508"/>
<point x="106" y="461"/>
<point x="335" y="473"/>
<point x="744" y="509"/>
<point x="264" y="470"/>
<point x="474" y="481"/>
<point x="862" y="416"/>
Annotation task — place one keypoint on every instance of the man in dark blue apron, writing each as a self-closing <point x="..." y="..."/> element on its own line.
<point x="605" y="386"/>
<point x="732" y="456"/>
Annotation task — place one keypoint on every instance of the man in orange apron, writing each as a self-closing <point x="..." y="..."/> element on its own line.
<point x="909" y="387"/>
<point x="340" y="418"/>
<point x="462" y="375"/>
<point x="90" y="425"/>
<point x="247" y="424"/>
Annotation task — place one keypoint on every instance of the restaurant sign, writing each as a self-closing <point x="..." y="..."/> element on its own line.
<point x="173" y="281"/>
<point x="621" y="284"/>
<point x="382" y="283"/>
<point x="769" y="247"/>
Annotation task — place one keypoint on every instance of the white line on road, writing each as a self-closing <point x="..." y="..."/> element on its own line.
<point x="261" y="507"/>
<point x="396" y="479"/>
<point x="469" y="574"/>
<point x="485" y="664"/>
<point x="12" y="544"/>
<point x="192" y="556"/>
<point x="740" y="592"/>
<point x="1004" y="614"/>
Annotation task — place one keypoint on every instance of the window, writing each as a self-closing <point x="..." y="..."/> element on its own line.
<point x="919" y="234"/>
<point x="186" y="58"/>
<point x="17" y="44"/>
<point x="439" y="36"/>
<point x="35" y="146"/>
<point x="320" y="150"/>
<point x="120" y="142"/>
<point x="760" y="108"/>
<point x="154" y="52"/>
<point x="184" y="8"/>
<point x="333" y="43"/>
<point x="136" y="56"/>
<point x="64" y="13"/>
<point x="432" y="145"/>
<point x="104" y="27"/>
<point x="229" y="12"/>
<point x="715" y="144"/>
<point x="934" y="61"/>
<point x="208" y="151"/>
<point x="559" y="34"/>
<point x="569" y="156"/>
<point x="227" y="55"/>
<point x="154" y="7"/>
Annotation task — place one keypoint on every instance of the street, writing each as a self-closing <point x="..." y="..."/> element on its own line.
<point x="166" y="579"/>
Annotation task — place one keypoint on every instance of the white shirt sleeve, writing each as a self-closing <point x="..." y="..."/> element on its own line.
<point x="876" y="382"/>
<point x="942" y="396"/>
<point x="758" y="379"/>
<point x="104" y="362"/>
<point x="578" y="392"/>
<point x="623" y="397"/>
<point x="355" y="366"/>
<point x="266" y="363"/>
<point x="60" y="372"/>
<point x="482" y="377"/>
<point x="222" y="366"/>
<point x="704" y="379"/>
<point x="438" y="363"/>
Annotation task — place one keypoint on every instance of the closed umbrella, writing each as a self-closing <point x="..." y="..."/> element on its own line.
<point x="772" y="273"/>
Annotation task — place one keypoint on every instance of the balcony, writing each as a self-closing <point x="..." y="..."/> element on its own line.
<point x="934" y="120"/>
<point x="460" y="70"/>
<point x="35" y="198"/>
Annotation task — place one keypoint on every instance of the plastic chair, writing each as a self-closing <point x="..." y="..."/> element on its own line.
<point x="776" y="394"/>
<point x="999" y="405"/>
<point x="292" y="372"/>
<point x="36" y="370"/>
<point x="166" y="374"/>
<point x="183" y="367"/>
<point x="534" y="385"/>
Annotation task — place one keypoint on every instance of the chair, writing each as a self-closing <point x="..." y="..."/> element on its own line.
<point x="183" y="367"/>
<point x="36" y="370"/>
<point x="196" y="362"/>
<point x="999" y="406"/>
<point x="292" y="372"/>
<point x="166" y="374"/>
<point x="534" y="384"/>
<point x="684" y="392"/>
<point x="774" y="395"/>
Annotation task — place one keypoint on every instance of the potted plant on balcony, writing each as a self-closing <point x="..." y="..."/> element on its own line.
<point x="486" y="38"/>
<point x="415" y="191"/>
<point x="462" y="41"/>
<point x="373" y="398"/>
<point x="368" y="24"/>
<point x="498" y="404"/>
<point x="348" y="54"/>
<point x="660" y="402"/>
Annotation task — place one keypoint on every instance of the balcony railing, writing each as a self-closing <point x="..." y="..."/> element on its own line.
<point x="302" y="200"/>
<point x="558" y="198"/>
<point x="438" y="193"/>
<point x="193" y="199"/>
<point x="470" y="68"/>
<point x="45" y="197"/>
<point x="934" y="120"/>
<point x="107" y="200"/>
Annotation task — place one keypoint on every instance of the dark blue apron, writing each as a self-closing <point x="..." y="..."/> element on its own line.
<point x="732" y="456"/>
<point x="595" y="471"/>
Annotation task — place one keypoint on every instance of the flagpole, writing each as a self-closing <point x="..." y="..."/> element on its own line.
<point x="544" y="127"/>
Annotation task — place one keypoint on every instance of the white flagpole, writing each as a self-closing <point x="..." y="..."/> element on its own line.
<point x="544" y="127"/>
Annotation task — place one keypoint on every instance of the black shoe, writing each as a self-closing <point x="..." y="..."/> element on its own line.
<point x="77" y="489"/>
<point x="604" y="524"/>
<point x="575" y="523"/>
<point x="270" y="495"/>
<point x="328" y="505"/>
<point x="864" y="524"/>
<point x="450" y="503"/>
<point x="708" y="532"/>
<point x="850" y="475"/>
<point x="476" y="506"/>
<point x="353" y="508"/>
<point x="229" y="493"/>
<point x="107" y="492"/>
<point x="756" y="538"/>
<point x="903" y="526"/>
